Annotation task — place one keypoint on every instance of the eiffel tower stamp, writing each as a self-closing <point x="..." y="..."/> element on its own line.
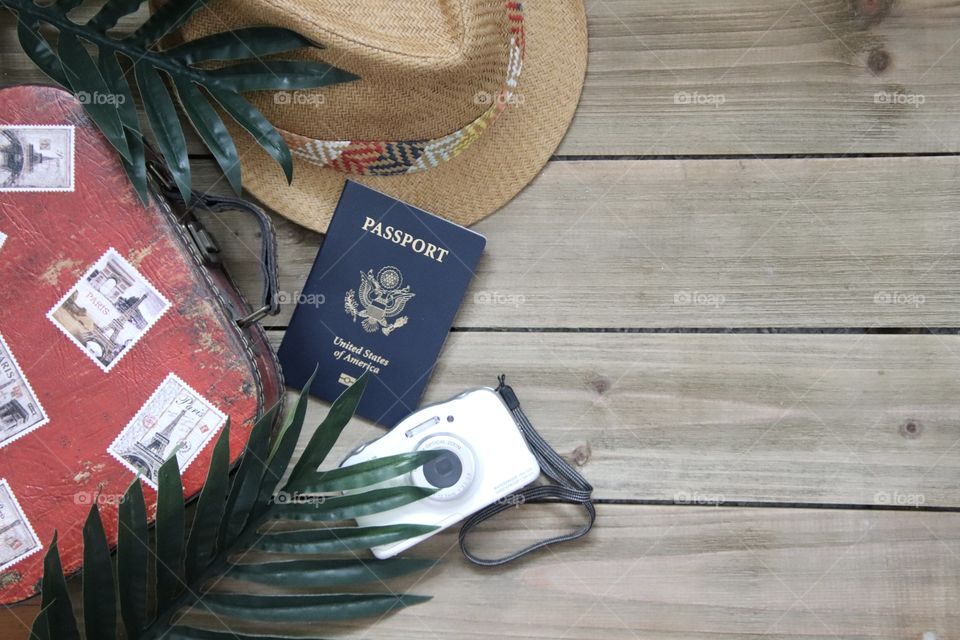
<point x="109" y="310"/>
<point x="20" y="409"/>
<point x="37" y="158"/>
<point x="176" y="420"/>
<point x="17" y="537"/>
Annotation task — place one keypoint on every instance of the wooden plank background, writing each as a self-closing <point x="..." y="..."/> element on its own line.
<point x="817" y="243"/>
<point x="731" y="301"/>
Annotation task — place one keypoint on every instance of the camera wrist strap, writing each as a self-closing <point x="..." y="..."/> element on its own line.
<point x="570" y="487"/>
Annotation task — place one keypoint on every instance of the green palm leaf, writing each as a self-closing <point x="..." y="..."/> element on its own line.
<point x="231" y="523"/>
<point x="325" y="573"/>
<point x="209" y="126"/>
<point x="308" y="608"/>
<point x="202" y="543"/>
<point x="337" y="539"/>
<point x="99" y="590"/>
<point x="248" y="117"/>
<point x="364" y="474"/>
<point x="192" y="633"/>
<point x="108" y="99"/>
<point x="280" y="74"/>
<point x="111" y="12"/>
<point x="162" y="115"/>
<point x="328" y="433"/>
<point x="40" y="630"/>
<point x="88" y="84"/>
<point x="132" y="560"/>
<point x="240" y="45"/>
<point x="170" y="523"/>
<point x="39" y="50"/>
<point x="323" y="509"/>
<point x="246" y="483"/>
<point x="58" y="612"/>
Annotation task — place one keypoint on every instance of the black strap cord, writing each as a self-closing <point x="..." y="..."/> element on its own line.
<point x="570" y="488"/>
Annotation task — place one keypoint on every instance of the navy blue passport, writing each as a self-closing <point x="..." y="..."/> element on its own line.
<point x="381" y="297"/>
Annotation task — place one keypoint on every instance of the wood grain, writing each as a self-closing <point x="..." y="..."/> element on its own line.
<point x="793" y="77"/>
<point x="718" y="418"/>
<point x="694" y="243"/>
<point x="704" y="421"/>
<point x="671" y="573"/>
<point x="686" y="573"/>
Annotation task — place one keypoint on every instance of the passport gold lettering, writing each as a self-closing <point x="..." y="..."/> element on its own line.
<point x="361" y="351"/>
<point x="405" y="240"/>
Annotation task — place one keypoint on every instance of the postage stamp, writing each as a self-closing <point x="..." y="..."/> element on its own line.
<point x="17" y="537"/>
<point x="37" y="157"/>
<point x="20" y="410"/>
<point x="109" y="310"/>
<point x="176" y="419"/>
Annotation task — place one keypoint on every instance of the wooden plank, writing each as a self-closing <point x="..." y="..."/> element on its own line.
<point x="691" y="243"/>
<point x="793" y="77"/>
<point x="672" y="573"/>
<point x="721" y="418"/>
<point x="742" y="77"/>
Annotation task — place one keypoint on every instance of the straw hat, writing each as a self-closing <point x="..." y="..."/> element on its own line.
<point x="459" y="105"/>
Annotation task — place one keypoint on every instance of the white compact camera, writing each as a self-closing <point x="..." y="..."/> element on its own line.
<point x="487" y="459"/>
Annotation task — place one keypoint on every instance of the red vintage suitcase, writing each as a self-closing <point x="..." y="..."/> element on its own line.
<point x="119" y="342"/>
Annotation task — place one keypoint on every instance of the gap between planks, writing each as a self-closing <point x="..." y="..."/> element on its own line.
<point x="819" y="244"/>
<point x="711" y="419"/>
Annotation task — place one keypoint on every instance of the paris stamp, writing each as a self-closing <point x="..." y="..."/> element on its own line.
<point x="175" y="420"/>
<point x="109" y="310"/>
<point x="17" y="537"/>
<point x="37" y="157"/>
<point x="20" y="410"/>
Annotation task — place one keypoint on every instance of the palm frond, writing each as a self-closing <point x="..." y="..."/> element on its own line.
<point x="104" y="89"/>
<point x="241" y="531"/>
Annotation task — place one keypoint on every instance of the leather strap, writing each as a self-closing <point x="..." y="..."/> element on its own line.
<point x="570" y="487"/>
<point x="207" y="246"/>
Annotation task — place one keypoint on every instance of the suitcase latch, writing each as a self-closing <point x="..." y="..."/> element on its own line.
<point x="205" y="244"/>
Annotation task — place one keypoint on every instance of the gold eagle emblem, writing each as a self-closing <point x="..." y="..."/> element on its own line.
<point x="380" y="298"/>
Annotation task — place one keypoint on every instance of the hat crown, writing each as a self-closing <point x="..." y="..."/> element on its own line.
<point x="419" y="29"/>
<point x="427" y="68"/>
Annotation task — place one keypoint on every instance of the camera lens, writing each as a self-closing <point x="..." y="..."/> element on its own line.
<point x="444" y="471"/>
<point x="452" y="472"/>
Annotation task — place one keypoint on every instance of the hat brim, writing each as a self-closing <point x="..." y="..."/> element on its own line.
<point x="486" y="175"/>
